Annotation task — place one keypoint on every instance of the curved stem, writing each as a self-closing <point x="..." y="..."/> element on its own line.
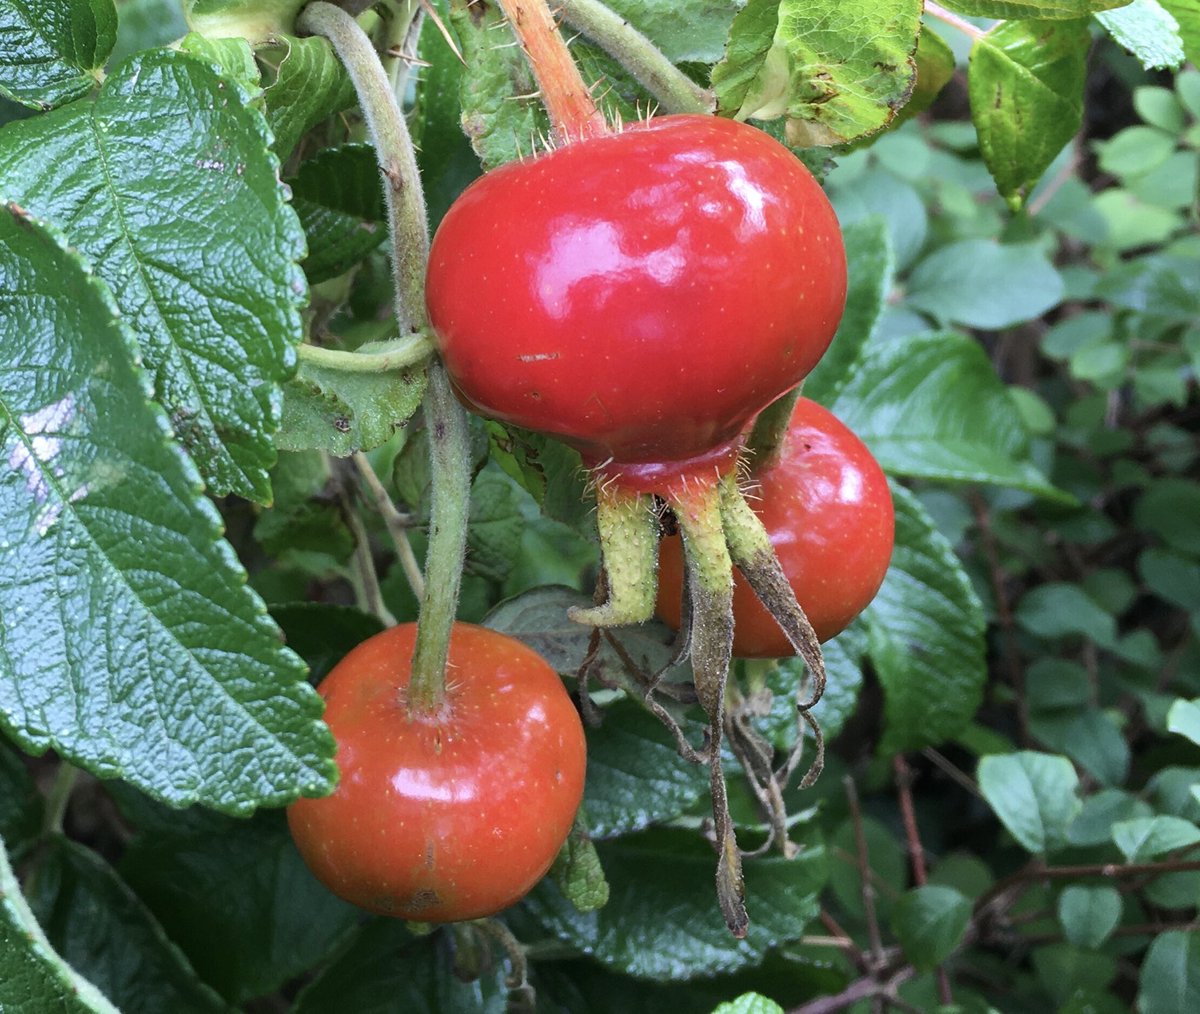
<point x="58" y="798"/>
<point x="407" y="222"/>
<point x="673" y="89"/>
<point x="397" y="523"/>
<point x="766" y="438"/>
<point x="567" y="99"/>
<point x="948" y="18"/>
<point x="450" y="458"/>
<point x="404" y="352"/>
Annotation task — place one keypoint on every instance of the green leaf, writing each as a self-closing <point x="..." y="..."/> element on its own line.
<point x="844" y="656"/>
<point x="836" y="70"/>
<point x="385" y="969"/>
<point x="749" y="1003"/>
<point x="98" y="924"/>
<point x="131" y="644"/>
<point x="1092" y="740"/>
<point x="166" y="182"/>
<point x="1187" y="16"/>
<point x="323" y="634"/>
<point x="539" y="619"/>
<point x="500" y="111"/>
<point x="1148" y="31"/>
<point x="21" y="804"/>
<point x="577" y="870"/>
<point x="1058" y="609"/>
<point x="1034" y="795"/>
<point x="1136" y="150"/>
<point x="635" y="775"/>
<point x="983" y="284"/>
<point x="306" y="515"/>
<point x="662" y="921"/>
<point x="1026" y="88"/>
<point x="1089" y="914"/>
<point x="926" y="636"/>
<point x="1184" y="718"/>
<point x="1094" y="823"/>
<point x="549" y="471"/>
<point x="53" y="51"/>
<point x="496" y="526"/>
<point x="343" y="411"/>
<point x="338" y="197"/>
<point x="878" y="192"/>
<point x="930" y="922"/>
<point x="1101" y="812"/>
<point x="1171" y="577"/>
<point x="1160" y="108"/>
<point x="694" y="31"/>
<point x="932" y="407"/>
<point x="233" y="894"/>
<point x="935" y="67"/>
<point x="1170" y="508"/>
<point x="232" y="58"/>
<point x="446" y="159"/>
<point x="1170" y="978"/>
<point x="309" y="85"/>
<point x="1027" y="9"/>
<point x="1146" y="838"/>
<point x="145" y="24"/>
<point x="871" y="265"/>
<point x="30" y="970"/>
<point x="255" y="20"/>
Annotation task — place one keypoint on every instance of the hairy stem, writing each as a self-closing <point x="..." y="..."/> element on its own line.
<point x="450" y="458"/>
<point x="567" y="99"/>
<point x="404" y="352"/>
<point x="673" y="89"/>
<point x="407" y="223"/>
<point x="766" y="438"/>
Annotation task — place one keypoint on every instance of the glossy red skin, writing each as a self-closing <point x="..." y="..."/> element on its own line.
<point x="640" y="295"/>
<point x="826" y="505"/>
<point x="449" y="816"/>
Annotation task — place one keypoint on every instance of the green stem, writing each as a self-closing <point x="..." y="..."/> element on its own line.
<point x="450" y="458"/>
<point x="402" y="26"/>
<point x="567" y="99"/>
<point x="947" y="18"/>
<point x="766" y="439"/>
<point x="407" y="222"/>
<point x="58" y="798"/>
<point x="673" y="89"/>
<point x="400" y="354"/>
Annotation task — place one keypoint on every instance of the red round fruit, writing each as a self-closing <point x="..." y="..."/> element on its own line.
<point x="448" y="815"/>
<point x="640" y="295"/>
<point x="826" y="505"/>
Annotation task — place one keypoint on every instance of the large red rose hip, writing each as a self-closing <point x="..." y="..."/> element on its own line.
<point x="450" y="814"/>
<point x="826" y="505"/>
<point x="641" y="294"/>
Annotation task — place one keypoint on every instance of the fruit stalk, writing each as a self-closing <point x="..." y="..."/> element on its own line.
<point x="766" y="438"/>
<point x="407" y="223"/>
<point x="450" y="458"/>
<point x="567" y="99"/>
<point x="672" y="89"/>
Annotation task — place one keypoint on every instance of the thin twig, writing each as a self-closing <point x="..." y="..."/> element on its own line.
<point x="864" y="868"/>
<point x="397" y="524"/>
<point x="1016" y="675"/>
<point x="916" y="852"/>
<point x="366" y="579"/>
<point x="950" y="769"/>
<point x="971" y="31"/>
<point x="861" y="989"/>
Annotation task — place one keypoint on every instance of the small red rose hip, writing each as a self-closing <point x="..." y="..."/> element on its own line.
<point x="826" y="505"/>
<point x="452" y="814"/>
